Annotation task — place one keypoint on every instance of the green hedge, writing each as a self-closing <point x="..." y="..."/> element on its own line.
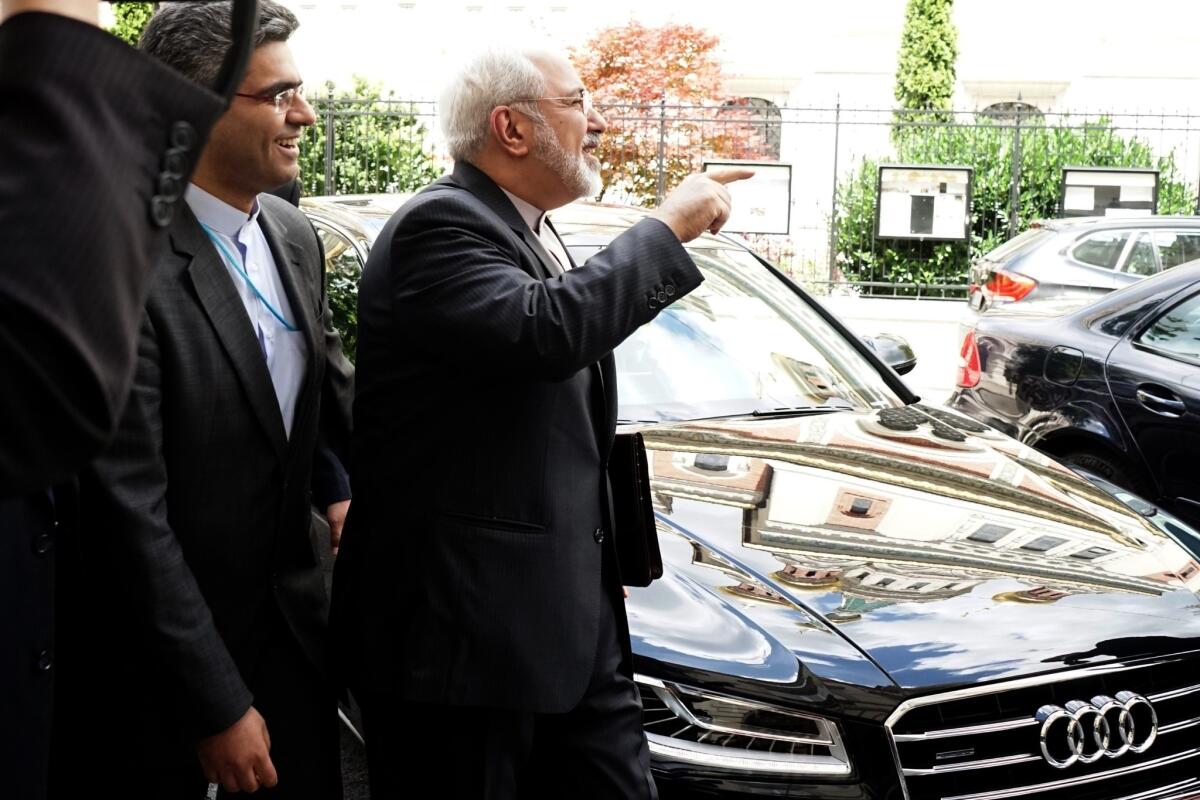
<point x="989" y="149"/>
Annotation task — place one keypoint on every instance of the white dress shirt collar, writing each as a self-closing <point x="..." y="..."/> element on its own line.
<point x="255" y="278"/>
<point x="217" y="214"/>
<point x="534" y="217"/>
<point x="530" y="213"/>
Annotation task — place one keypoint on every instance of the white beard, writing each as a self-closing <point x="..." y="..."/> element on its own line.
<point x="576" y="173"/>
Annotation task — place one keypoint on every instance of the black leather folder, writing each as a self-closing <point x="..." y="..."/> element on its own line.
<point x="634" y="531"/>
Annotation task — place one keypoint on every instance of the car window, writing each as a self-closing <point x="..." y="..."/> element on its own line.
<point x="1019" y="245"/>
<point x="1177" y="331"/>
<point x="1101" y="249"/>
<point x="1141" y="260"/>
<point x="343" y="270"/>
<point x="741" y="341"/>
<point x="1177" y="247"/>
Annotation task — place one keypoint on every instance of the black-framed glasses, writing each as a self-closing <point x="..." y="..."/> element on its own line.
<point x="283" y="101"/>
<point x="582" y="101"/>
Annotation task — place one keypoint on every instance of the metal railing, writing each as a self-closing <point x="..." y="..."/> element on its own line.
<point x="393" y="145"/>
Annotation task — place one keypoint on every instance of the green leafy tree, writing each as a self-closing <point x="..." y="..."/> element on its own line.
<point x="379" y="144"/>
<point x="989" y="149"/>
<point x="925" y="70"/>
<point x="130" y="19"/>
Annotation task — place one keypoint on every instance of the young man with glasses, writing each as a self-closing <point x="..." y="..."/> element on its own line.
<point x="198" y="655"/>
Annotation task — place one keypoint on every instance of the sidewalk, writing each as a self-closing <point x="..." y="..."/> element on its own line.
<point x="932" y="327"/>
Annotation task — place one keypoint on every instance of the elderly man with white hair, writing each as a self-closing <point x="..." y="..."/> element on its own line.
<point x="477" y="597"/>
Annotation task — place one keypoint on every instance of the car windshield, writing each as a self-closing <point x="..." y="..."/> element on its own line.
<point x="741" y="343"/>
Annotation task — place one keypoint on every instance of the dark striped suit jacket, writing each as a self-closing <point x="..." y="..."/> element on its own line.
<point x="197" y="529"/>
<point x="86" y="124"/>
<point x="477" y="555"/>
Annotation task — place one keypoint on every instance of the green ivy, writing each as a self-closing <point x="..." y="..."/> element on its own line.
<point x="989" y="149"/>
<point x="130" y="19"/>
<point x="379" y="145"/>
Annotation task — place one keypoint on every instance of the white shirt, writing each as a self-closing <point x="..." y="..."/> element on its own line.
<point x="533" y="217"/>
<point x="284" y="350"/>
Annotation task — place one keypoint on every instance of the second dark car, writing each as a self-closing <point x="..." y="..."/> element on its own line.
<point x="1112" y="387"/>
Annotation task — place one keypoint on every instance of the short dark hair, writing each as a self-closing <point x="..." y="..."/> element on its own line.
<point x="193" y="38"/>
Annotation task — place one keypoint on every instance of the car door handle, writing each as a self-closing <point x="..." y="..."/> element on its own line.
<point x="1168" y="406"/>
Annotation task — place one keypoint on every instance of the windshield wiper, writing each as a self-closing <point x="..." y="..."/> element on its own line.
<point x="786" y="411"/>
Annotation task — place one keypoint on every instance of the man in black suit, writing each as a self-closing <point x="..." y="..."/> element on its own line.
<point x="198" y="542"/>
<point x="476" y="599"/>
<point x="94" y="140"/>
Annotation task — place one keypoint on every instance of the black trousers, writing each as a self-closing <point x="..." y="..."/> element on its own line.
<point x="142" y="755"/>
<point x="595" y="750"/>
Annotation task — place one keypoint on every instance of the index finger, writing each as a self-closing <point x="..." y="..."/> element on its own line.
<point x="730" y="175"/>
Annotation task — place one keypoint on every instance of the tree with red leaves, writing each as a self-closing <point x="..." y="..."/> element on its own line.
<point x="660" y="91"/>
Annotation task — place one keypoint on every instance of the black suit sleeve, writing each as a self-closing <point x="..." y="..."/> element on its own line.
<point x="131" y="481"/>
<point x="331" y="481"/>
<point x="86" y="123"/>
<point x="458" y="294"/>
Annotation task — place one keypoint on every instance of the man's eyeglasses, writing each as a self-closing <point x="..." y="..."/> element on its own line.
<point x="282" y="101"/>
<point x="582" y="101"/>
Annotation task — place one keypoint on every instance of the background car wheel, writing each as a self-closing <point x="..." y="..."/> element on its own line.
<point x="1111" y="469"/>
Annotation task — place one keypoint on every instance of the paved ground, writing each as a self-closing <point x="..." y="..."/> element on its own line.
<point x="932" y="327"/>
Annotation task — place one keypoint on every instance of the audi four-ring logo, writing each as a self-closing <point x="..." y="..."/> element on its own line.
<point x="1086" y="732"/>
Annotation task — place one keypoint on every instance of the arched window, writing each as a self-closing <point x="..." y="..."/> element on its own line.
<point x="763" y="122"/>
<point x="1009" y="113"/>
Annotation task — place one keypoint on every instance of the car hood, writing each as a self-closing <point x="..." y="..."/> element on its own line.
<point x="924" y="552"/>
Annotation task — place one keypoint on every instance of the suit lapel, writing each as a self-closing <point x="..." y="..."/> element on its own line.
<point x="604" y="379"/>
<point x="603" y="374"/>
<point x="227" y="315"/>
<point x="484" y="188"/>
<point x="289" y="262"/>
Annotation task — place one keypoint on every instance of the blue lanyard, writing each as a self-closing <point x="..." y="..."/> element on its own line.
<point x="233" y="262"/>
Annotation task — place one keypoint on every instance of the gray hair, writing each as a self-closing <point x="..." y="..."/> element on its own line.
<point x="193" y="38"/>
<point x="495" y="78"/>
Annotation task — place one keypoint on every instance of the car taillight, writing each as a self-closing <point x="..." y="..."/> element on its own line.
<point x="1009" y="286"/>
<point x="968" y="363"/>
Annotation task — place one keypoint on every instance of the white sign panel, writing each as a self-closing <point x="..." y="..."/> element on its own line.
<point x="923" y="202"/>
<point x="1105" y="192"/>
<point x="762" y="204"/>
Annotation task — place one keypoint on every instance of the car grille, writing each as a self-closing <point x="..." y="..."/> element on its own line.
<point x="985" y="743"/>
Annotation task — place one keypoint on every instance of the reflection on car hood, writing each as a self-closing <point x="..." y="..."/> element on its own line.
<point x="907" y="546"/>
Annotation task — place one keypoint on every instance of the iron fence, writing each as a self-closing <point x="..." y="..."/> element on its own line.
<point x="834" y="152"/>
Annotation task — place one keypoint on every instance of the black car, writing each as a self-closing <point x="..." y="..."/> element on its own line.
<point x="865" y="597"/>
<point x="1080" y="258"/>
<point x="1113" y="387"/>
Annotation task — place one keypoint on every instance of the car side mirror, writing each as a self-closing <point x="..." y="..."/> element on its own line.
<point x="894" y="351"/>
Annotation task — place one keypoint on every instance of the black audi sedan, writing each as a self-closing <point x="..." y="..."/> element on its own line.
<point x="864" y="596"/>
<point x="1112" y="387"/>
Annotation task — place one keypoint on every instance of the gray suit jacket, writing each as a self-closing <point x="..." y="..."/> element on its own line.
<point x="198" y="515"/>
<point x="479" y="550"/>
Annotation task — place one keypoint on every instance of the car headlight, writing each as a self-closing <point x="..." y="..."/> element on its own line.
<point x="696" y="726"/>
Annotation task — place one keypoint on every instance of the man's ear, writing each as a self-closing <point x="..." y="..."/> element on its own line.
<point x="511" y="130"/>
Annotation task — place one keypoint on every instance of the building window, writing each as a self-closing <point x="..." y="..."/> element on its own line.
<point x="1090" y="553"/>
<point x="1012" y="112"/>
<point x="1043" y="543"/>
<point x="763" y="136"/>
<point x="989" y="533"/>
